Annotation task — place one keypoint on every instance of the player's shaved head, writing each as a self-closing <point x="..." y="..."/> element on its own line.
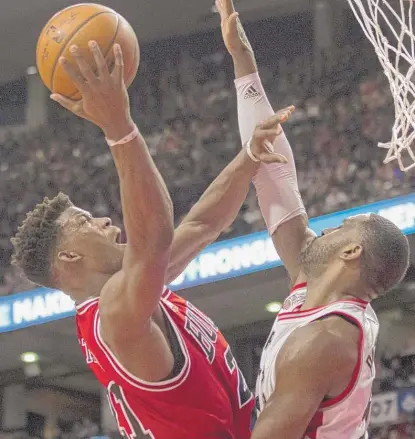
<point x="385" y="256"/>
<point x="377" y="243"/>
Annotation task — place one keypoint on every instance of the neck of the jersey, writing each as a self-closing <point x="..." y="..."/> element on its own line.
<point x="303" y="285"/>
<point x="84" y="304"/>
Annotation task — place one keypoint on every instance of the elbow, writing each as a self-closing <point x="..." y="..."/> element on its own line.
<point x="167" y="228"/>
<point x="163" y="233"/>
<point x="162" y="227"/>
<point x="166" y="240"/>
<point x="171" y="209"/>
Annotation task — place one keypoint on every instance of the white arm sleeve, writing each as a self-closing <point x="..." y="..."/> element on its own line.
<point x="253" y="105"/>
<point x="276" y="184"/>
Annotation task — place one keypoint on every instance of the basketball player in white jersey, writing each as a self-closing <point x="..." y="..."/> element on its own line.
<point x="317" y="365"/>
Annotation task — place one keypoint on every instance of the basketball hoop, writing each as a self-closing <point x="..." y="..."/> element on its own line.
<point x="390" y="25"/>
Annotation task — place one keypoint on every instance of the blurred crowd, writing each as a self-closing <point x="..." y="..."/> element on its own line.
<point x="395" y="372"/>
<point x="83" y="428"/>
<point x="184" y="103"/>
<point x="402" y="431"/>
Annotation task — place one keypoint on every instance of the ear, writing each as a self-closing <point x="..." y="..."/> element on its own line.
<point x="351" y="252"/>
<point x="68" y="256"/>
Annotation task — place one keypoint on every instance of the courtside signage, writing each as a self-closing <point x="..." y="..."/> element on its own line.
<point x="222" y="260"/>
<point x="34" y="307"/>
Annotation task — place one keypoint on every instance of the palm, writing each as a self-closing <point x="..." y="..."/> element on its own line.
<point x="230" y="34"/>
<point x="232" y="30"/>
<point x="78" y="110"/>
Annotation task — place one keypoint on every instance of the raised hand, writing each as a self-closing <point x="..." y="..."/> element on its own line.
<point x="232" y="31"/>
<point x="265" y="134"/>
<point x="105" y="99"/>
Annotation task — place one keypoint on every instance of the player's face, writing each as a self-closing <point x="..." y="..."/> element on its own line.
<point x="92" y="241"/>
<point x="322" y="250"/>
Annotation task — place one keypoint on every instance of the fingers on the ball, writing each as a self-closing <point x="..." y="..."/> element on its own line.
<point x="99" y="59"/>
<point x="83" y="65"/>
<point x="73" y="73"/>
<point x="119" y="63"/>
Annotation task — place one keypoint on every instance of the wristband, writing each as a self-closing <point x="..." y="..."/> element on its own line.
<point x="249" y="151"/>
<point x="124" y="140"/>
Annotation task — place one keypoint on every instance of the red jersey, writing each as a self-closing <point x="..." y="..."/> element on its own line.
<point x="207" y="399"/>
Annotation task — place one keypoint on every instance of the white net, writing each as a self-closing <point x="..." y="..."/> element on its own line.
<point x="389" y="26"/>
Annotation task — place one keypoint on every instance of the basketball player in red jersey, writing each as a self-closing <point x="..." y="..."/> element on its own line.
<point x="317" y="366"/>
<point x="169" y="372"/>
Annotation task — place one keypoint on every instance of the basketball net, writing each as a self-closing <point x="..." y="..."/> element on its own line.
<point x="389" y="26"/>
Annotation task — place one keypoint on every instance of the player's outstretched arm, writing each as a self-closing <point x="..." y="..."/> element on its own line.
<point x="277" y="188"/>
<point x="219" y="205"/>
<point x="316" y="362"/>
<point x="257" y="107"/>
<point x="148" y="215"/>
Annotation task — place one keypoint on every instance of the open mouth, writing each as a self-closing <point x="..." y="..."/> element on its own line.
<point x="118" y="238"/>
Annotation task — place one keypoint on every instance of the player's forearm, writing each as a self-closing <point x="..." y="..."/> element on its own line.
<point x="276" y="185"/>
<point x="220" y="204"/>
<point x="244" y="63"/>
<point x="146" y="204"/>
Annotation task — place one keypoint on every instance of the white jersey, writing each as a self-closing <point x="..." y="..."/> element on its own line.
<point x="346" y="416"/>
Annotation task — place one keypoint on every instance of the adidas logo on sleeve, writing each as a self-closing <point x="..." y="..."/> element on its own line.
<point x="251" y="93"/>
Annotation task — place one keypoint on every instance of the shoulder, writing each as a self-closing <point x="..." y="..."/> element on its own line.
<point x="316" y="363"/>
<point x="328" y="347"/>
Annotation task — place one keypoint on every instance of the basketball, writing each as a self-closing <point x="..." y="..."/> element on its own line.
<point x="77" y="25"/>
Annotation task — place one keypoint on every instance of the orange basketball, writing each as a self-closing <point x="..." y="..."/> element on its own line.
<point x="79" y="24"/>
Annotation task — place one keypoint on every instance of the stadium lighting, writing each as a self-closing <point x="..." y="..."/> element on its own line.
<point x="29" y="357"/>
<point x="32" y="70"/>
<point x="273" y="307"/>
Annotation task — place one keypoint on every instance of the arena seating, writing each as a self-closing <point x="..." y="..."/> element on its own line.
<point x="185" y="106"/>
